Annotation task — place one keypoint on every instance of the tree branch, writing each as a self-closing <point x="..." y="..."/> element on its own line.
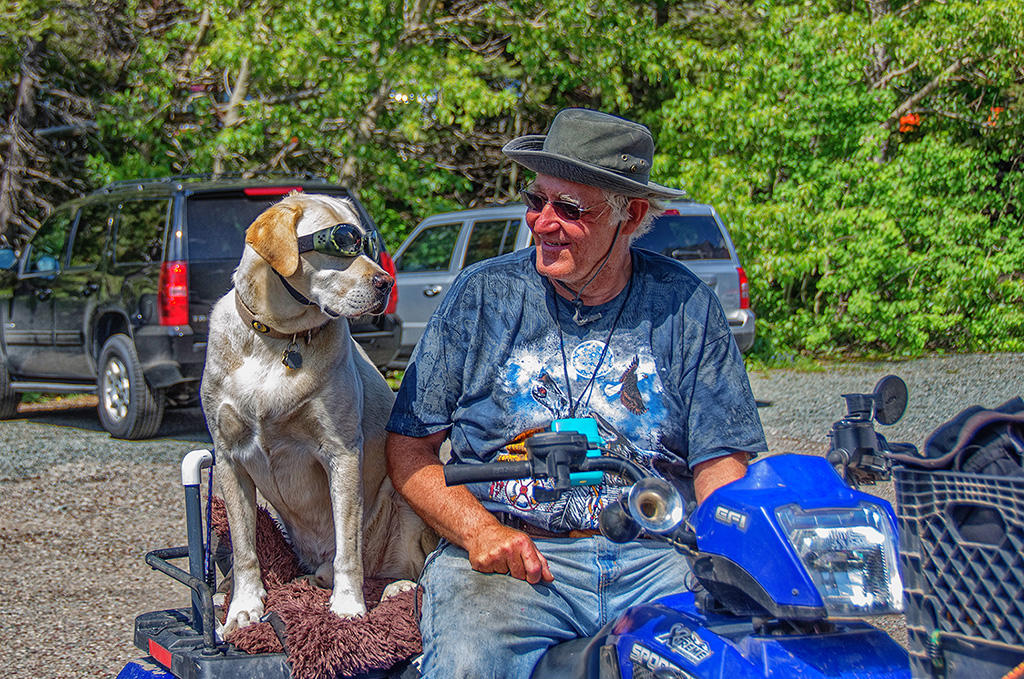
<point x="190" y="54"/>
<point x="889" y="77"/>
<point x="232" y="117"/>
<point x="953" y="116"/>
<point x="20" y="145"/>
<point x="363" y="131"/>
<point x="301" y="95"/>
<point x="917" y="97"/>
<point x="911" y="6"/>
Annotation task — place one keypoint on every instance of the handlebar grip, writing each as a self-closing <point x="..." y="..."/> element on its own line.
<point x="458" y="474"/>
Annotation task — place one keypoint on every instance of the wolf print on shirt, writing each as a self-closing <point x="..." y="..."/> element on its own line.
<point x="630" y="394"/>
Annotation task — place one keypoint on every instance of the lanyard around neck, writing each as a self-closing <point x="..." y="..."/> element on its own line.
<point x="588" y="389"/>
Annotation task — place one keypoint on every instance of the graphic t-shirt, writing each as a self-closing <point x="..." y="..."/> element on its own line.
<point x="503" y="356"/>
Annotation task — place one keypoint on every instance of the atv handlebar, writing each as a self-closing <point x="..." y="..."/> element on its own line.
<point x="558" y="455"/>
<point x="551" y="455"/>
<point x="860" y="454"/>
<point x="458" y="474"/>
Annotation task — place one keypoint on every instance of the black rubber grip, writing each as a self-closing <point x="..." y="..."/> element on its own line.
<point x="457" y="474"/>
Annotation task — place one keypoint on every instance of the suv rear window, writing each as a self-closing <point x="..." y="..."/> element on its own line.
<point x="217" y="224"/>
<point x="217" y="221"/>
<point x="686" y="237"/>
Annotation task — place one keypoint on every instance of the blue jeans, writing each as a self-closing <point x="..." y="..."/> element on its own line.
<point x="491" y="626"/>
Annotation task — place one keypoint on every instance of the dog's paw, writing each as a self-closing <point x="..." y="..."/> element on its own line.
<point x="347" y="605"/>
<point x="244" y="611"/>
<point x="397" y="587"/>
<point x="324" y="576"/>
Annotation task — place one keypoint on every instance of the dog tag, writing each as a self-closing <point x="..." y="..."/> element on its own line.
<point x="291" y="358"/>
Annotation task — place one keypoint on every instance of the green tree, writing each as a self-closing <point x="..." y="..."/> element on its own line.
<point x="58" y="59"/>
<point x="407" y="102"/>
<point x="867" y="154"/>
<point x="869" y="159"/>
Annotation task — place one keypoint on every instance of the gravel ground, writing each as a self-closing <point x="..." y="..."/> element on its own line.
<point x="78" y="510"/>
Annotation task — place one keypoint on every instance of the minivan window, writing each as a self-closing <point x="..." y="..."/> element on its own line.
<point x="490" y="239"/>
<point x="140" y="231"/>
<point x="431" y="250"/>
<point x="686" y="237"/>
<point x="48" y="243"/>
<point x="90" y="236"/>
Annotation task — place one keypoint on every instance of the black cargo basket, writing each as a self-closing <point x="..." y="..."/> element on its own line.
<point x="964" y="600"/>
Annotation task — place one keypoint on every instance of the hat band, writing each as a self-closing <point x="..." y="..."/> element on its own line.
<point x="626" y="165"/>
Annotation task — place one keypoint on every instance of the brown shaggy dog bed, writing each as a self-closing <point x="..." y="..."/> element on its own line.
<point x="319" y="644"/>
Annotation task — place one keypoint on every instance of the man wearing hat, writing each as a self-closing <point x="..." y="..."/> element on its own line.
<point x="581" y="326"/>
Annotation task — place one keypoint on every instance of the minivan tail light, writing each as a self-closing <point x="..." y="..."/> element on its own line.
<point x="672" y="212"/>
<point x="388" y="265"/>
<point x="173" y="293"/>
<point x="744" y="288"/>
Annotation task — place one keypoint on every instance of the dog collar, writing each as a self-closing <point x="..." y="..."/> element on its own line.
<point x="262" y="328"/>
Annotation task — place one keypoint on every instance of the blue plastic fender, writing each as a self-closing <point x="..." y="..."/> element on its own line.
<point x="738" y="521"/>
<point x="673" y="633"/>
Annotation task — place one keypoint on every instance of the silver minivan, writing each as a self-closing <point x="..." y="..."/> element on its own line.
<point x="442" y="245"/>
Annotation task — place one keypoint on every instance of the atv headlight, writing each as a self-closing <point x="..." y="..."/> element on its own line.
<point x="850" y="555"/>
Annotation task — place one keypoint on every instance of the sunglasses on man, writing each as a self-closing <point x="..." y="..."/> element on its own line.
<point x="342" y="240"/>
<point x="563" y="208"/>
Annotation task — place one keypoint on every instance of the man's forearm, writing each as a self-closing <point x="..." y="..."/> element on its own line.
<point x="711" y="475"/>
<point x="417" y="473"/>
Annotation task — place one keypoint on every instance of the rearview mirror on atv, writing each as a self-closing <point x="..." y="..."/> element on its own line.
<point x="856" y="447"/>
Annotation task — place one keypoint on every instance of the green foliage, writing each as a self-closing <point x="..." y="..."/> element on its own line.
<point x="857" y="237"/>
<point x="860" y="233"/>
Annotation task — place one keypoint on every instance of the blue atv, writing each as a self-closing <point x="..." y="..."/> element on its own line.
<point x="787" y="562"/>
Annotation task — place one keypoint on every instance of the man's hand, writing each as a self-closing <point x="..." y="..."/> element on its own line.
<point x="457" y="515"/>
<point x="500" y="549"/>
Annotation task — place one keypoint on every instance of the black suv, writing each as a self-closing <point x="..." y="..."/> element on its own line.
<point x="112" y="293"/>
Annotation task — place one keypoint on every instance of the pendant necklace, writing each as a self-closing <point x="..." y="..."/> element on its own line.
<point x="587" y="390"/>
<point x="576" y="302"/>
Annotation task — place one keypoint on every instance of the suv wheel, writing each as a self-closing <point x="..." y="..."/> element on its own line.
<point x="128" y="408"/>
<point x="9" y="399"/>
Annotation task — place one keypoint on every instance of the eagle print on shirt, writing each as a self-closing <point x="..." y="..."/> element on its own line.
<point x="547" y="393"/>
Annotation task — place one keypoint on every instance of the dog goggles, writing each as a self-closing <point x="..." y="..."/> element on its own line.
<point x="563" y="208"/>
<point x="343" y="240"/>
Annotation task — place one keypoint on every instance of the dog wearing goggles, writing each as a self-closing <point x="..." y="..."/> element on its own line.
<point x="297" y="410"/>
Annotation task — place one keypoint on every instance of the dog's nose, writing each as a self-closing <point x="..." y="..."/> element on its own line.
<point x="382" y="281"/>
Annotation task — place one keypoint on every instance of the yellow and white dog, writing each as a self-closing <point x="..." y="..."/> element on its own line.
<point x="297" y="410"/>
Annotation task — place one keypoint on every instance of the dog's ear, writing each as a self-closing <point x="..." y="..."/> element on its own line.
<point x="274" y="238"/>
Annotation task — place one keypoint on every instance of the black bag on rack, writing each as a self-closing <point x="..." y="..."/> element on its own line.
<point x="977" y="441"/>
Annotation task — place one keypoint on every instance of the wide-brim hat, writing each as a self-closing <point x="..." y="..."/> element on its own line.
<point x="596" y="149"/>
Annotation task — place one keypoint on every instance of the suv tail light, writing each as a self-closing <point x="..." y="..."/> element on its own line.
<point x="744" y="288"/>
<point x="270" y="190"/>
<point x="173" y="293"/>
<point x="388" y="265"/>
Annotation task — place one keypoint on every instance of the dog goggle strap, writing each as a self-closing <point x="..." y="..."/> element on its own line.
<point x="342" y="240"/>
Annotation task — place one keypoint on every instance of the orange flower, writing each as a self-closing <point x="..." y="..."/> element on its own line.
<point x="909" y="122"/>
